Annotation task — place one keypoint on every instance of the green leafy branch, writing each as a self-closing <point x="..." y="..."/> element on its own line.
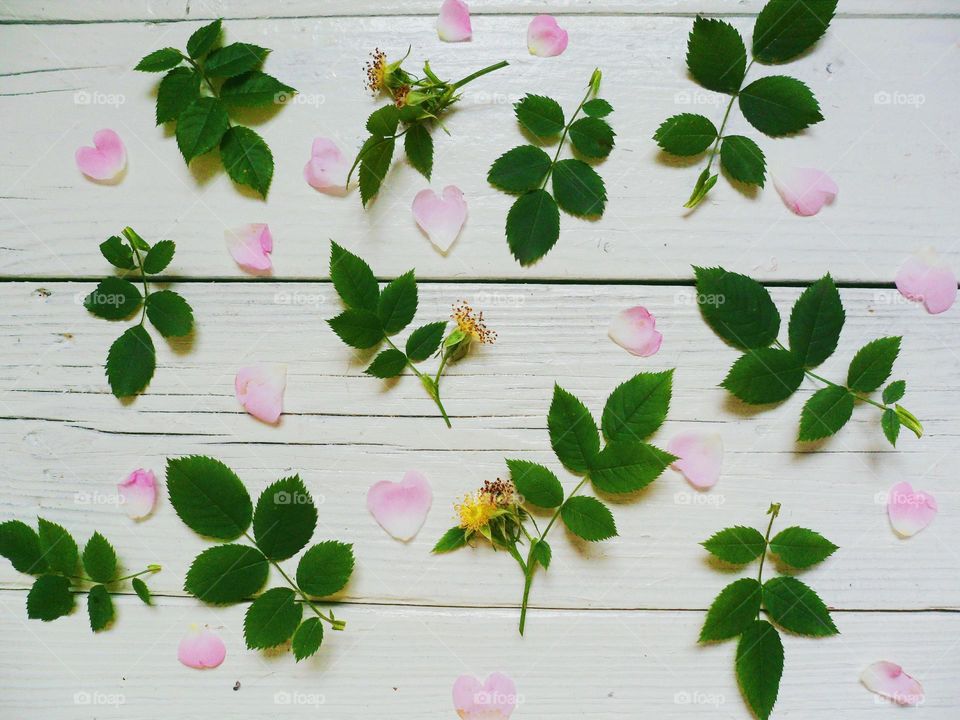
<point x="777" y="105"/>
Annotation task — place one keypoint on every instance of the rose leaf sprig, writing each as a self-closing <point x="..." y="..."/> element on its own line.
<point x="213" y="502"/>
<point x="62" y="571"/>
<point x="417" y="104"/>
<point x="500" y="511"/>
<point x="373" y="316"/>
<point x="777" y="105"/>
<point x="533" y="223"/>
<point x="788" y="602"/>
<point x="132" y="358"/>
<point x="203" y="86"/>
<point x="741" y="311"/>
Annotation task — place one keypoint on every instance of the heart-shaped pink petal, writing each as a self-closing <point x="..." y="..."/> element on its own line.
<point x="924" y="276"/>
<point x="327" y="168"/>
<point x="634" y="330"/>
<point x="805" y="190"/>
<point x="909" y="511"/>
<point x="440" y="218"/>
<point x="260" y="390"/>
<point x="201" y="648"/>
<point x="138" y="493"/>
<point x="250" y="246"/>
<point x="701" y="456"/>
<point x="545" y="38"/>
<point x="106" y="159"/>
<point x="453" y="24"/>
<point x="494" y="699"/>
<point x="889" y="680"/>
<point x="401" y="507"/>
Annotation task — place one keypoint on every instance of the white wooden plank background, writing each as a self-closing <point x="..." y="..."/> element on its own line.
<point x="613" y="626"/>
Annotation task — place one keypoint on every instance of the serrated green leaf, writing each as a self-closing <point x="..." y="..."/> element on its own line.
<point x="58" y="547"/>
<point x="20" y="544"/>
<point x="200" y="126"/>
<point x="535" y="483"/>
<point x="307" y="638"/>
<point x="142" y="591"/>
<point x="592" y="137"/>
<point x="597" y="107"/>
<point x="578" y="189"/>
<point x="383" y="121"/>
<point x="890" y="424"/>
<point x="737" y="545"/>
<point x="523" y="168"/>
<point x="786" y="28"/>
<point x="255" y="89"/>
<point x="685" y="134"/>
<point x="131" y="362"/>
<point x="418" y="145"/>
<point x="272" y="618"/>
<point x="177" y="89"/>
<point x="743" y="160"/>
<point x="764" y="375"/>
<point x="235" y="59"/>
<point x="894" y="391"/>
<point x="533" y="226"/>
<point x="99" y="559"/>
<point x="760" y="667"/>
<point x="588" y="518"/>
<point x="872" y="364"/>
<point x="387" y="364"/>
<point x="825" y="412"/>
<point x="325" y="568"/>
<point x="226" y="574"/>
<point x="732" y="611"/>
<point x="398" y="303"/>
<point x="779" y="105"/>
<point x="627" y="466"/>
<point x="452" y="539"/>
<point x="794" y="606"/>
<point x="117" y="253"/>
<point x="208" y="497"/>
<point x="800" y="547"/>
<point x="114" y="299"/>
<point x="377" y="155"/>
<point x="637" y="407"/>
<point x="424" y="341"/>
<point x="815" y="322"/>
<point x="203" y="39"/>
<point x="160" y="60"/>
<point x="247" y="159"/>
<point x="542" y="553"/>
<point x="573" y="432"/>
<point x="99" y="608"/>
<point x="361" y="329"/>
<point x="716" y="56"/>
<point x="169" y="313"/>
<point x="738" y="308"/>
<point x="159" y="257"/>
<point x="353" y="279"/>
<point x="49" y="598"/>
<point x="541" y="115"/>
<point x="285" y="518"/>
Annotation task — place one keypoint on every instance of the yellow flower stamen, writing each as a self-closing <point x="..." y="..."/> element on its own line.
<point x="471" y="323"/>
<point x="376" y="69"/>
<point x="476" y="510"/>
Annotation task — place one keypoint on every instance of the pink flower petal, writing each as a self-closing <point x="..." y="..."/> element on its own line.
<point x="453" y="24"/>
<point x="909" y="511"/>
<point x="495" y="699"/>
<point x="401" y="507"/>
<point x="201" y="648"/>
<point x="441" y="219"/>
<point x="634" y="330"/>
<point x="701" y="455"/>
<point x="805" y="190"/>
<point x="250" y="246"/>
<point x="327" y="168"/>
<point x="889" y="680"/>
<point x="260" y="390"/>
<point x="138" y="493"/>
<point x="925" y="277"/>
<point x="545" y="38"/>
<point x="106" y="159"/>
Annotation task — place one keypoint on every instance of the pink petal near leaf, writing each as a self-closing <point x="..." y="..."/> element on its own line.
<point x="909" y="511"/>
<point x="453" y="24"/>
<point x="927" y="278"/>
<point x="250" y="246"/>
<point x="201" y="648"/>
<point x="634" y="330"/>
<point x="701" y="455"/>
<point x="138" y="493"/>
<point x="805" y="190"/>
<point x="260" y="390"/>
<point x="106" y="159"/>
<point x="545" y="38"/>
<point x="494" y="699"/>
<point x="889" y="680"/>
<point x="401" y="507"/>
<point x="327" y="168"/>
<point x="440" y="218"/>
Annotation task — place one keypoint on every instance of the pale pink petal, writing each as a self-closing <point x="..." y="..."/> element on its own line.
<point x="545" y="38"/>
<point x="634" y="330"/>
<point x="401" y="507"/>
<point x="106" y="159"/>
<point x="889" y="680"/>
<point x="201" y="648"/>
<point x="453" y="24"/>
<point x="327" y="168"/>
<point x="138" y="493"/>
<point x="909" y="511"/>
<point x="805" y="190"/>
<point x="250" y="246"/>
<point x="440" y="218"/>
<point x="925" y="277"/>
<point x="495" y="699"/>
<point x="260" y="390"/>
<point x="701" y="455"/>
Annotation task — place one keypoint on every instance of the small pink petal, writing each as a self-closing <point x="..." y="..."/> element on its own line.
<point x="106" y="159"/>
<point x="909" y="511"/>
<point x="327" y="168"/>
<point x="925" y="277"/>
<point x="250" y="246"/>
<point x="545" y="38"/>
<point x="441" y="219"/>
<point x="260" y="390"/>
<point x="889" y="680"/>
<point x="701" y="455"/>
<point x="634" y="330"/>
<point x="201" y="648"/>
<point x="494" y="699"/>
<point x="138" y="493"/>
<point x="805" y="190"/>
<point x="453" y="24"/>
<point x="401" y="507"/>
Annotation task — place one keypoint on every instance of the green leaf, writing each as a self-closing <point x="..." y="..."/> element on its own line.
<point x="325" y="568"/>
<point x="100" y="559"/>
<point x="285" y="518"/>
<point x="800" y="547"/>
<point x="247" y="158"/>
<point x="208" y="497"/>
<point x="597" y="107"/>
<point x="578" y="189"/>
<point x="537" y="484"/>
<point x="131" y="362"/>
<point x="178" y="88"/>
<point x="357" y="328"/>
<point x="138" y="242"/>
<point x="872" y="364"/>
<point x="169" y="313"/>
<point x="894" y="391"/>
<point x="159" y="256"/>
<point x="573" y="432"/>
<point x="114" y="299"/>
<point x="418" y="144"/>
<point x="272" y="618"/>
<point x="909" y="420"/>
<point x="737" y="545"/>
<point x="226" y="574"/>
<point x="542" y="553"/>
<point x="353" y="279"/>
<point x="160" y="60"/>
<point x="685" y="134"/>
<point x="815" y="322"/>
<point x="765" y="375"/>
<point x="58" y="547"/>
<point x="49" y="598"/>
<point x="20" y="544"/>
<point x="627" y="466"/>
<point x="533" y="226"/>
<point x="890" y="424"/>
<point x="374" y="166"/>
<point x="541" y="115"/>
<point x="794" y="606"/>
<point x="743" y="160"/>
<point x="255" y="89"/>
<point x="786" y="28"/>
<point x="99" y="608"/>
<point x="398" y="303"/>
<point x="235" y="59"/>
<point x="142" y="591"/>
<point x="716" y="56"/>
<point x="200" y="126"/>
<point x="520" y="169"/>
<point x="825" y="413"/>
<point x="307" y="638"/>
<point x="203" y="39"/>
<point x="733" y="611"/>
<point x="592" y="137"/>
<point x="779" y="105"/>
<point x="117" y="253"/>
<point x="387" y="364"/>
<point x="383" y="122"/>
<point x="424" y="341"/>
<point x="452" y="539"/>
<point x="638" y="407"/>
<point x="588" y="518"/>
<point x="760" y="667"/>
<point x="738" y="308"/>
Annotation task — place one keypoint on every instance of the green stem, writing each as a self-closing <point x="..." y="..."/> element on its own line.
<point x="128" y="233"/>
<point x="435" y="396"/>
<point x="365" y="150"/>
<point x="479" y="73"/>
<point x="150" y="569"/>
<point x="774" y="511"/>
<point x="563" y="136"/>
